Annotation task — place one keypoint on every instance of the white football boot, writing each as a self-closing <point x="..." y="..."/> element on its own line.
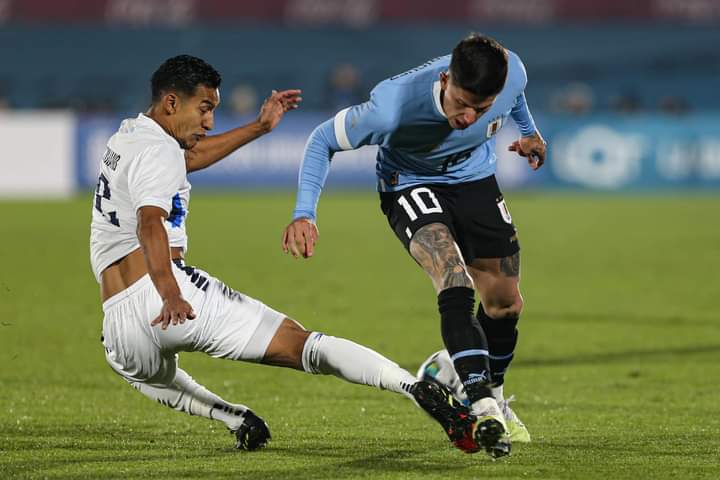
<point x="516" y="428"/>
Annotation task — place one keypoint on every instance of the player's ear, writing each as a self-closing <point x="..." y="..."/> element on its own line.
<point x="443" y="79"/>
<point x="171" y="103"/>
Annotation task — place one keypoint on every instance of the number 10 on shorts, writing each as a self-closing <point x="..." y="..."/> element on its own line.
<point x="417" y="196"/>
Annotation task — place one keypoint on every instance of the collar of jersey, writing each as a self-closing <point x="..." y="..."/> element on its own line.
<point x="436" y="90"/>
<point x="149" y="122"/>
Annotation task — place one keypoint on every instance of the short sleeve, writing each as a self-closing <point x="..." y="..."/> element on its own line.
<point x="155" y="176"/>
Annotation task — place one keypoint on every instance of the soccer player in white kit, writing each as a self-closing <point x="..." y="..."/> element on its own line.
<point x="156" y="306"/>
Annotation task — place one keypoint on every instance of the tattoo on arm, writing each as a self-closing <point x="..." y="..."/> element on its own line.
<point x="434" y="248"/>
<point x="510" y="266"/>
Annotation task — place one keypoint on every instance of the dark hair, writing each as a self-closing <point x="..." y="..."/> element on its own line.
<point x="479" y="65"/>
<point x="183" y="74"/>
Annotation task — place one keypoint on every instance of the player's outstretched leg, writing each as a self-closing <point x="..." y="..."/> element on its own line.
<point x="324" y="354"/>
<point x="328" y="355"/>
<point x="184" y="394"/>
<point x="347" y="360"/>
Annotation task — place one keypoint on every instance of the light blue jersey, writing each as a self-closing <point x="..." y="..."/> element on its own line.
<point x="416" y="145"/>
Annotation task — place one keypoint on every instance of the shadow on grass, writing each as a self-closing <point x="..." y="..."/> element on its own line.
<point x="613" y="357"/>
<point x="625" y="319"/>
<point x="395" y="461"/>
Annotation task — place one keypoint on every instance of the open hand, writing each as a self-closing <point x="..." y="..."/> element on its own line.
<point x="532" y="147"/>
<point x="175" y="310"/>
<point x="299" y="238"/>
<point x="276" y="105"/>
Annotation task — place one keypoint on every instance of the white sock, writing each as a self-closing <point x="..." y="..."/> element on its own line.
<point x="186" y="395"/>
<point x="498" y="393"/>
<point x="328" y="355"/>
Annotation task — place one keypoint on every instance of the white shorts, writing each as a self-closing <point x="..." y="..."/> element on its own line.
<point x="227" y="325"/>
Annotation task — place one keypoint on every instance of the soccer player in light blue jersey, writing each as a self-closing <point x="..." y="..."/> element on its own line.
<point x="435" y="129"/>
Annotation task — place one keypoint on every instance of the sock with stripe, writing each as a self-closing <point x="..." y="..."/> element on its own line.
<point x="502" y="336"/>
<point x="465" y="341"/>
<point x="327" y="355"/>
<point x="184" y="394"/>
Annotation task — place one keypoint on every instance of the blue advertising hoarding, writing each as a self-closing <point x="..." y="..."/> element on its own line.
<point x="597" y="152"/>
<point x="271" y="161"/>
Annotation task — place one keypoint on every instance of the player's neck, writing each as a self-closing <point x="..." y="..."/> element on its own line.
<point x="161" y="120"/>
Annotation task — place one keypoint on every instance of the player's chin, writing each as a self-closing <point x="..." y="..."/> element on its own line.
<point x="190" y="142"/>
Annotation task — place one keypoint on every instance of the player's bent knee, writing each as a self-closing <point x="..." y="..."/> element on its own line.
<point x="510" y="311"/>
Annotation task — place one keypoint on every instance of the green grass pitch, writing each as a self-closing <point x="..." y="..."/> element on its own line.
<point x="617" y="374"/>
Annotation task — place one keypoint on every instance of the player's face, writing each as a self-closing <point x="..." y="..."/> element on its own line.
<point x="462" y="107"/>
<point x="195" y="117"/>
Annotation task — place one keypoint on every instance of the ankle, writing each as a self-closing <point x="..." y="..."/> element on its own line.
<point x="498" y="393"/>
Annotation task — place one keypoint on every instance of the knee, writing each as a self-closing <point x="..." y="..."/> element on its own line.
<point x="505" y="310"/>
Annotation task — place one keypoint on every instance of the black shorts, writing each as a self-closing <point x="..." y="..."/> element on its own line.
<point x="475" y="212"/>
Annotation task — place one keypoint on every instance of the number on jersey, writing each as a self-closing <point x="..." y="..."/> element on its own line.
<point x="102" y="191"/>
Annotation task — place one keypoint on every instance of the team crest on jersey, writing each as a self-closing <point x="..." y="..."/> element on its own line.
<point x="494" y="126"/>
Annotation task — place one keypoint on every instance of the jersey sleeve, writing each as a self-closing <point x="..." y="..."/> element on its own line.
<point x="319" y="150"/>
<point x="520" y="111"/>
<point x="522" y="116"/>
<point x="369" y="122"/>
<point x="155" y="177"/>
<point x="351" y="128"/>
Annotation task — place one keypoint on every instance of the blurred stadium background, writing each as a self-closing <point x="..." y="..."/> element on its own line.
<point x="617" y="372"/>
<point x="625" y="92"/>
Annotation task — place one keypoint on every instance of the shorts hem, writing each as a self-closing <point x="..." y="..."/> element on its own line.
<point x="260" y="339"/>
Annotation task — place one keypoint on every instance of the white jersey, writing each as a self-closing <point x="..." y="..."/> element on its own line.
<point x="142" y="166"/>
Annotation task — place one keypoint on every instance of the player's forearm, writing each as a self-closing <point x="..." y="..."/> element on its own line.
<point x="314" y="171"/>
<point x="154" y="242"/>
<point x="214" y="148"/>
<point x="522" y="116"/>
